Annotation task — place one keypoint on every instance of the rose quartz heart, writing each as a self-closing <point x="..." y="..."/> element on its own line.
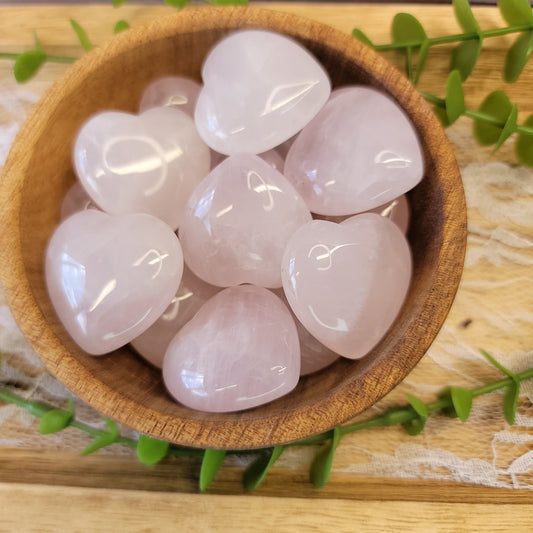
<point x="110" y="277"/>
<point x="191" y="295"/>
<point x="314" y="356"/>
<point x="238" y="221"/>
<point x="76" y="200"/>
<point x="359" y="152"/>
<point x="148" y="163"/>
<point x="396" y="210"/>
<point x="347" y="282"/>
<point x="239" y="351"/>
<point x="174" y="91"/>
<point x="260" y="88"/>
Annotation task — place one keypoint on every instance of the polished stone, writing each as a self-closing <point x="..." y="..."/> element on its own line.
<point x="239" y="351"/>
<point x="110" y="277"/>
<point x="174" y="91"/>
<point x="347" y="282"/>
<point x="260" y="88"/>
<point x="191" y="295"/>
<point x="148" y="163"/>
<point x="238" y="221"/>
<point x="359" y="152"/>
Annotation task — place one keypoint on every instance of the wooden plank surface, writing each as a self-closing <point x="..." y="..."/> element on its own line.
<point x="53" y="489"/>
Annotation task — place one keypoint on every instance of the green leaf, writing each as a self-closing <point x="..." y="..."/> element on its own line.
<point x="38" y="44"/>
<point x="422" y="56"/>
<point x="57" y="419"/>
<point x="180" y="4"/>
<point x="449" y="410"/>
<point x="211" y="463"/>
<point x="524" y="145"/>
<point x="455" y="99"/>
<point x="150" y="451"/>
<point x="497" y="105"/>
<point x="465" y="56"/>
<point x="121" y="25"/>
<point x="256" y="471"/>
<point x="516" y="12"/>
<point x="509" y="128"/>
<point x="360" y="36"/>
<point x="415" y="426"/>
<point x="321" y="465"/>
<point x="510" y="401"/>
<point x="82" y="35"/>
<point x="103" y="440"/>
<point x="462" y="402"/>
<point x="118" y="3"/>
<point x="406" y="29"/>
<point x="465" y="17"/>
<point x="27" y="65"/>
<point x="440" y="113"/>
<point x="418" y="405"/>
<point x="517" y="57"/>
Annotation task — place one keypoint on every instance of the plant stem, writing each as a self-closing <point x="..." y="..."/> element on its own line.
<point x="476" y="115"/>
<point x="444" y="39"/>
<point x="49" y="58"/>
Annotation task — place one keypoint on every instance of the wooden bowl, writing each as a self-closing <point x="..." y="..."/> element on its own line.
<point x="39" y="172"/>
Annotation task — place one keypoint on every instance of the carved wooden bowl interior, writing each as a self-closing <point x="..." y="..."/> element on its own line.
<point x="121" y="385"/>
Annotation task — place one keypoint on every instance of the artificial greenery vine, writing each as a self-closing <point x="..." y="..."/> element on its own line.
<point x="453" y="402"/>
<point x="496" y="120"/>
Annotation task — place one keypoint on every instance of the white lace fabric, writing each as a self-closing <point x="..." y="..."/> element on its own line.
<point x="493" y="310"/>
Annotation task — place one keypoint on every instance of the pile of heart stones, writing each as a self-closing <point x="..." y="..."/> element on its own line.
<point x="240" y="233"/>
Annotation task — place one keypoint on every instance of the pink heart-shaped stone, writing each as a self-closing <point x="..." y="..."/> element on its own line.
<point x="191" y="295"/>
<point x="359" y="152"/>
<point x="347" y="282"/>
<point x="147" y="163"/>
<point x="240" y="350"/>
<point x="260" y="89"/>
<point x="238" y="221"/>
<point x="110" y="277"/>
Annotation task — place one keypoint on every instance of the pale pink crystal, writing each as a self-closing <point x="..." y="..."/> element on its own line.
<point x="314" y="356"/>
<point x="148" y="163"/>
<point x="238" y="221"/>
<point x="347" y="282"/>
<point x="260" y="89"/>
<point x="239" y="351"/>
<point x="175" y="91"/>
<point x="191" y="295"/>
<point x="359" y="152"/>
<point x="396" y="210"/>
<point x="110" y="277"/>
<point x="76" y="200"/>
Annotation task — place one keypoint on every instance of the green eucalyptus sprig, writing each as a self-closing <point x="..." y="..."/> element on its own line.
<point x="496" y="119"/>
<point x="452" y="401"/>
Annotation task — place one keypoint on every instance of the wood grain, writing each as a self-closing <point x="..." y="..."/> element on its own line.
<point x="123" y="386"/>
<point x="74" y="510"/>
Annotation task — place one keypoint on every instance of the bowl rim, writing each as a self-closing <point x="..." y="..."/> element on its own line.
<point x="242" y="432"/>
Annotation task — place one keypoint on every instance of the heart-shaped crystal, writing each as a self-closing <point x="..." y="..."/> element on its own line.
<point x="238" y="221"/>
<point x="174" y="91"/>
<point x="148" y="163"/>
<point x="359" y="152"/>
<point x="191" y="295"/>
<point x="347" y="282"/>
<point x="239" y="351"/>
<point x="260" y="88"/>
<point x="110" y="277"/>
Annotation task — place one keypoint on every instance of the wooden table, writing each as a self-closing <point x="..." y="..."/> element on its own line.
<point x="46" y="487"/>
